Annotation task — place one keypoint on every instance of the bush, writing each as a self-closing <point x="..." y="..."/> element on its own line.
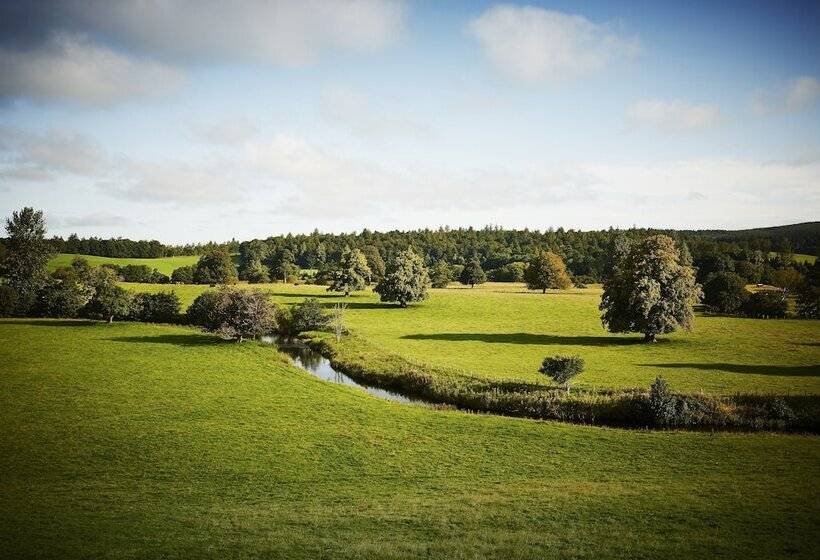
<point x="562" y="368"/>
<point x="766" y="304"/>
<point x="308" y="316"/>
<point x="234" y="314"/>
<point x="666" y="409"/>
<point x="136" y="273"/>
<point x="158" y="277"/>
<point x="808" y="304"/>
<point x="8" y="300"/>
<point x="156" y="308"/>
<point x="183" y="275"/>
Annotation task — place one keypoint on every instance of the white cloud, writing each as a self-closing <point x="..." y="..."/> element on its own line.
<point x="42" y="157"/>
<point x="288" y="32"/>
<point x="91" y="220"/>
<point x="534" y="45"/>
<point x="72" y="68"/>
<point x="673" y="116"/>
<point x="175" y="182"/>
<point x="351" y="109"/>
<point x="228" y="132"/>
<point x="798" y="95"/>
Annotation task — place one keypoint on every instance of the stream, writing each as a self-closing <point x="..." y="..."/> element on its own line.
<point x="313" y="362"/>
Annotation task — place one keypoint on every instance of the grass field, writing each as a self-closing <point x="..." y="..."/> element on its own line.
<point x="168" y="444"/>
<point x="722" y="355"/>
<point x="165" y="265"/>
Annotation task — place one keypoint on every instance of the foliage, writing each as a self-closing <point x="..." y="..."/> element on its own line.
<point x="546" y="271"/>
<point x="26" y="255"/>
<point x="472" y="274"/>
<point x="136" y="273"/>
<point x="562" y="369"/>
<point x="788" y="279"/>
<point x="283" y="266"/>
<point x="666" y="409"/>
<point x="233" y="313"/>
<point x="510" y="272"/>
<point x="808" y="303"/>
<point x="650" y="292"/>
<point x="162" y="307"/>
<point x="257" y="273"/>
<point x="725" y="292"/>
<point x="405" y="280"/>
<point x="110" y="301"/>
<point x="440" y="274"/>
<point x="8" y="300"/>
<point x="766" y="304"/>
<point x="309" y="315"/>
<point x="183" y="275"/>
<point x="63" y="295"/>
<point x="375" y="263"/>
<point x="351" y="274"/>
<point x="215" y="267"/>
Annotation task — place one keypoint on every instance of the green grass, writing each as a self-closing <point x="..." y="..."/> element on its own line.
<point x="143" y="441"/>
<point x="503" y="331"/>
<point x="798" y="257"/>
<point x="165" y="265"/>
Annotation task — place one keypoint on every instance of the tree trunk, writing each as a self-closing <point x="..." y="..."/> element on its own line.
<point x="649" y="337"/>
<point x="544" y="291"/>
<point x="567" y="388"/>
<point x="110" y="319"/>
<point x="402" y="304"/>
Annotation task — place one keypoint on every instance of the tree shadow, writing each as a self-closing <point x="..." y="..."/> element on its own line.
<point x="812" y="371"/>
<point x="50" y="322"/>
<point x="175" y="339"/>
<point x="530" y="338"/>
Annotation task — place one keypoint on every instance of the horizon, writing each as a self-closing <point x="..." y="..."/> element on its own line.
<point x="263" y="119"/>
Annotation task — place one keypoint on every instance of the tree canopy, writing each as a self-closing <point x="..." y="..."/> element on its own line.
<point x="546" y="271"/>
<point x="406" y="279"/>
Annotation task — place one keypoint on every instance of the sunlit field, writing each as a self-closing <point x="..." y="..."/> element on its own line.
<point x="504" y="331"/>
<point x="165" y="265"/>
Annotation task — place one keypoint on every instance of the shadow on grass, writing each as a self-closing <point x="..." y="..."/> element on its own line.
<point x="50" y="322"/>
<point x="743" y="368"/>
<point x="175" y="339"/>
<point x="530" y="338"/>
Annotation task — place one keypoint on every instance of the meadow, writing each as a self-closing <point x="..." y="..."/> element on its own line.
<point x="503" y="331"/>
<point x="173" y="444"/>
<point x="165" y="265"/>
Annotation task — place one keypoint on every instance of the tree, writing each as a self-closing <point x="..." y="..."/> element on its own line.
<point x="183" y="275"/>
<point x="63" y="295"/>
<point x="725" y="292"/>
<point x="649" y="291"/>
<point x="234" y="314"/>
<point x="351" y="274"/>
<point x="472" y="274"/>
<point x="547" y="271"/>
<point x="440" y="274"/>
<point x="27" y="253"/>
<point x="306" y="316"/>
<point x="110" y="301"/>
<point x="257" y="273"/>
<point x="162" y="307"/>
<point x="788" y="279"/>
<point x="766" y="304"/>
<point x="405" y="279"/>
<point x="375" y="263"/>
<point x="808" y="303"/>
<point x="285" y="265"/>
<point x="510" y="272"/>
<point x="562" y="368"/>
<point x="215" y="267"/>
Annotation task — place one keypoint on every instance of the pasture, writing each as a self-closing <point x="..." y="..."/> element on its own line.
<point x="503" y="331"/>
<point x="172" y="444"/>
<point x="165" y="265"/>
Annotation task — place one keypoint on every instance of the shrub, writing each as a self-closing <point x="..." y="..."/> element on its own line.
<point x="136" y="273"/>
<point x="308" y="316"/>
<point x="156" y="308"/>
<point x="666" y="409"/>
<point x="8" y="300"/>
<point x="183" y="275"/>
<point x="234" y="314"/>
<point x="158" y="277"/>
<point x="766" y="304"/>
<point x="562" y="368"/>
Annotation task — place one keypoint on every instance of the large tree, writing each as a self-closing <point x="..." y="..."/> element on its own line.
<point x="546" y="271"/>
<point x="472" y="274"/>
<point x="215" y="267"/>
<point x="405" y="279"/>
<point x="351" y="273"/>
<point x="27" y="253"/>
<point x="650" y="291"/>
<point x="110" y="301"/>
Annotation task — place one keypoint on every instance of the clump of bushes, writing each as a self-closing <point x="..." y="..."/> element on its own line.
<point x="156" y="308"/>
<point x="183" y="275"/>
<point x="766" y="304"/>
<point x="306" y="316"/>
<point x="234" y="314"/>
<point x="562" y="369"/>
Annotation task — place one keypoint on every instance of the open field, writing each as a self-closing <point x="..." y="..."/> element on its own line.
<point x="171" y="444"/>
<point x="504" y="331"/>
<point x="165" y="265"/>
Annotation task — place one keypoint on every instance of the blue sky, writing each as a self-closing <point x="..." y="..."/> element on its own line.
<point x="211" y="120"/>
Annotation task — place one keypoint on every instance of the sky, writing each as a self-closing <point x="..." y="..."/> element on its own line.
<point x="197" y="120"/>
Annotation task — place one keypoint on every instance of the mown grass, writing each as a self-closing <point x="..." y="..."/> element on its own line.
<point x="144" y="441"/>
<point x="165" y="265"/>
<point x="502" y="331"/>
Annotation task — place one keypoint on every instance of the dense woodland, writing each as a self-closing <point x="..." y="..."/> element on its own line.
<point x="588" y="254"/>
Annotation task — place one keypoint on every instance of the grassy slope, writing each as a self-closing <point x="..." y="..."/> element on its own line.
<point x="723" y="354"/>
<point x="167" y="444"/>
<point x="166" y="265"/>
